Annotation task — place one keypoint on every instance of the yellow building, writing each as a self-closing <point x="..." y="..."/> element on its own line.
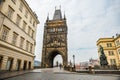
<point x="18" y="24"/>
<point x="111" y="48"/>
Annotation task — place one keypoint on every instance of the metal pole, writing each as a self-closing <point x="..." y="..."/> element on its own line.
<point x="74" y="60"/>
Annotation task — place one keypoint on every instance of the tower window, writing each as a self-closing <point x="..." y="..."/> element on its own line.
<point x="52" y="30"/>
<point x="60" y="29"/>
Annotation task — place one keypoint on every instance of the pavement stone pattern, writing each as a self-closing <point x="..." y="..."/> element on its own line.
<point x="57" y="74"/>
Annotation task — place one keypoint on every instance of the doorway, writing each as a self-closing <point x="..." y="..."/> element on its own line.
<point x="9" y="64"/>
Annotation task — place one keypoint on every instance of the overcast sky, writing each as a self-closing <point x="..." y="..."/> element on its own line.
<point x="87" y="20"/>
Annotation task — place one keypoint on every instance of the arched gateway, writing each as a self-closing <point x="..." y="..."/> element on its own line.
<point x="54" y="40"/>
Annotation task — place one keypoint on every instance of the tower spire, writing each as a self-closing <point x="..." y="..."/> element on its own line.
<point x="47" y="17"/>
<point x="64" y="16"/>
<point x="57" y="14"/>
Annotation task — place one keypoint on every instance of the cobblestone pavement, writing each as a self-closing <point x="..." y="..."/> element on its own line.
<point x="57" y="74"/>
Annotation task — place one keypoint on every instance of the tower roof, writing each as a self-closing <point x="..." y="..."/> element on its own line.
<point x="57" y="15"/>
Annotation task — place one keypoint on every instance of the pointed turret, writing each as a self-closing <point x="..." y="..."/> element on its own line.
<point x="47" y="18"/>
<point x="64" y="16"/>
<point x="57" y="15"/>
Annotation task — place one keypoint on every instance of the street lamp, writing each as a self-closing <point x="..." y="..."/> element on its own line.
<point x="74" y="60"/>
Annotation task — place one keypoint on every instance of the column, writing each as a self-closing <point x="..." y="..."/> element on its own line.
<point x="27" y="64"/>
<point x="14" y="64"/>
<point x="32" y="64"/>
<point x="21" y="65"/>
<point x="4" y="63"/>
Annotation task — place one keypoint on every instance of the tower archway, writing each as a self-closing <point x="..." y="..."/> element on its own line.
<point x="52" y="56"/>
<point x="57" y="61"/>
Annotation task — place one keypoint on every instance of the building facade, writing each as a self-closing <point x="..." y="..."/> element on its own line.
<point x="18" y="24"/>
<point x="111" y="48"/>
<point x="55" y="39"/>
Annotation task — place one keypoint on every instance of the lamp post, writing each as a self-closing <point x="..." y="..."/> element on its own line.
<point x="74" y="61"/>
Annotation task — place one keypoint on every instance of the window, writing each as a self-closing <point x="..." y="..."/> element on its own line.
<point x="10" y="12"/>
<point x="29" y="29"/>
<point x="27" y="45"/>
<point x="24" y="25"/>
<point x="34" y="24"/>
<point x="21" y="7"/>
<point x="52" y="30"/>
<point x="18" y="20"/>
<point x="14" y="41"/>
<point x="1" y="1"/>
<point x="9" y="64"/>
<point x="119" y="51"/>
<point x="26" y="13"/>
<point x="21" y="42"/>
<point x="109" y="45"/>
<point x="111" y="53"/>
<point x="60" y="29"/>
<point x="1" y="59"/>
<point x="32" y="34"/>
<point x="31" y="46"/>
<point x="117" y="43"/>
<point x="30" y="19"/>
<point x="14" y="1"/>
<point x="113" y="61"/>
<point x="18" y="63"/>
<point x="5" y="32"/>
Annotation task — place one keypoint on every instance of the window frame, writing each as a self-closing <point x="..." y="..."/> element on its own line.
<point x="24" y="25"/>
<point x="31" y="47"/>
<point x="18" y="19"/>
<point x="27" y="45"/>
<point x="26" y="13"/>
<point x="14" y="1"/>
<point x="21" y="7"/>
<point x="109" y="44"/>
<point x="32" y="33"/>
<point x="4" y="36"/>
<point x="22" y="42"/>
<point x="14" y="39"/>
<point x="10" y="12"/>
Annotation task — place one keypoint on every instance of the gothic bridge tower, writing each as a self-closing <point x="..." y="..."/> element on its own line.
<point x="55" y="39"/>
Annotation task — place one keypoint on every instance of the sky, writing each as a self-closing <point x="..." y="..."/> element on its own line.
<point x="87" y="21"/>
